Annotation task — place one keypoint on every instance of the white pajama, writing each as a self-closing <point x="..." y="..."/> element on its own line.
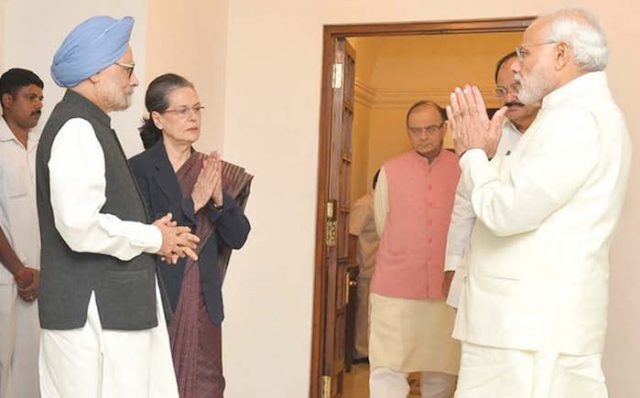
<point x="95" y="363"/>
<point x="91" y="362"/>
<point x="488" y="372"/>
<point x="388" y="383"/>
<point x="19" y="333"/>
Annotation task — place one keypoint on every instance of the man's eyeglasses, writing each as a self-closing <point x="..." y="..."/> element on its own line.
<point x="129" y="67"/>
<point x="502" y="91"/>
<point x="522" y="50"/>
<point x="434" y="128"/>
<point x="183" y="111"/>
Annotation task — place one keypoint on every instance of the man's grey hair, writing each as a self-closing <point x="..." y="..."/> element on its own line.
<point x="582" y="32"/>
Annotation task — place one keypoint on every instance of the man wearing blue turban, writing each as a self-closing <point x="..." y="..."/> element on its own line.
<point x="103" y="328"/>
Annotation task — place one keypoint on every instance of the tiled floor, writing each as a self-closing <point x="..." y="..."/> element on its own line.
<point x="356" y="383"/>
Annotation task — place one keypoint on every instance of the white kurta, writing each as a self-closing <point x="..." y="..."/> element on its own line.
<point x="19" y="325"/>
<point x="539" y="259"/>
<point x="92" y="362"/>
<point x="463" y="218"/>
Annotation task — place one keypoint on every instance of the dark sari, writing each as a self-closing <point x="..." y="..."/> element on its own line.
<point x="195" y="339"/>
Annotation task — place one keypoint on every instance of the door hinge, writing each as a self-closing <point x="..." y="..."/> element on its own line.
<point x="338" y="76"/>
<point x="326" y="386"/>
<point x="331" y="233"/>
<point x="331" y="223"/>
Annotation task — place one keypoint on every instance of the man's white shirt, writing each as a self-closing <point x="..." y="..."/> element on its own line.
<point x="18" y="208"/>
<point x="464" y="218"/>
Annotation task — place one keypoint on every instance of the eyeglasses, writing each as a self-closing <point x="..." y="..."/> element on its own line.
<point x="434" y="128"/>
<point x="522" y="50"/>
<point x="183" y="111"/>
<point x="502" y="91"/>
<point x="129" y="67"/>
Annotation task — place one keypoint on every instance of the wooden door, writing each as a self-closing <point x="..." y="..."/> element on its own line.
<point x="337" y="256"/>
<point x="336" y="111"/>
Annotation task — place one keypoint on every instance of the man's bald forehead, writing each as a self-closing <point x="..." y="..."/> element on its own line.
<point x="426" y="105"/>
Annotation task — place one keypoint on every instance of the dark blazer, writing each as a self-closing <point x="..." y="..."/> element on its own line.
<point x="161" y="190"/>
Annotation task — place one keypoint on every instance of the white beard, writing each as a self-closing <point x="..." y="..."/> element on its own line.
<point x="535" y="86"/>
<point x="113" y="95"/>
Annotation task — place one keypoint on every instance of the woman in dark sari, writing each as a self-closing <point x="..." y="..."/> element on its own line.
<point x="174" y="178"/>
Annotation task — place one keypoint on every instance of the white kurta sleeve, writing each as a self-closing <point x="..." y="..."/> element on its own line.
<point x="381" y="202"/>
<point x="462" y="220"/>
<point x="77" y="183"/>
<point x="557" y="161"/>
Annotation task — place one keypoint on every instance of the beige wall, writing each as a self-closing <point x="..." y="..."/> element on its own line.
<point x="395" y="72"/>
<point x="3" y="36"/>
<point x="189" y="38"/>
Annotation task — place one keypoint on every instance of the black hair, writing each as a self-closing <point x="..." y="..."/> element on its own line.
<point x="156" y="99"/>
<point x="419" y="104"/>
<point x="375" y="179"/>
<point x="502" y="61"/>
<point x="14" y="79"/>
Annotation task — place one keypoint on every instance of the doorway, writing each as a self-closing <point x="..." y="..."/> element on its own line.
<point x="349" y="156"/>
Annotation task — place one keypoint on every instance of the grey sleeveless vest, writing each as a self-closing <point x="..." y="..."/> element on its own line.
<point x="124" y="290"/>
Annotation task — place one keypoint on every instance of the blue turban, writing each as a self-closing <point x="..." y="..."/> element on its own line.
<point x="91" y="47"/>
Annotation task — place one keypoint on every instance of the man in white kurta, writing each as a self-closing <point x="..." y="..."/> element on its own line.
<point x="518" y="119"/>
<point x="21" y="92"/>
<point x="533" y="310"/>
<point x="104" y="333"/>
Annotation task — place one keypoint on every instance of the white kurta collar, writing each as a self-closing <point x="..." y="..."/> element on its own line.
<point x="5" y="131"/>
<point x="7" y="135"/>
<point x="586" y="82"/>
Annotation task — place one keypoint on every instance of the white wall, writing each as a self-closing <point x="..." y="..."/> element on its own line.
<point x="33" y="31"/>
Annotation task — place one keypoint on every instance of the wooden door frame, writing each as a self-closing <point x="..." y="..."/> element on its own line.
<point x="331" y="34"/>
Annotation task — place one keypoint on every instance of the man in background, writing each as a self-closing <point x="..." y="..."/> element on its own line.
<point x="21" y="99"/>
<point x="518" y="119"/>
<point x="362" y="224"/>
<point x="410" y="323"/>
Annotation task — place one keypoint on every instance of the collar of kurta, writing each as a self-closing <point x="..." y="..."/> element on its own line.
<point x="576" y="87"/>
<point x="508" y="124"/>
<point x="81" y="102"/>
<point x="5" y="132"/>
<point x="7" y="135"/>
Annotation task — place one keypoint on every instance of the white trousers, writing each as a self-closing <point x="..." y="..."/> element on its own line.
<point x="94" y="363"/>
<point x="19" y="340"/>
<point x="388" y="383"/>
<point x="488" y="372"/>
